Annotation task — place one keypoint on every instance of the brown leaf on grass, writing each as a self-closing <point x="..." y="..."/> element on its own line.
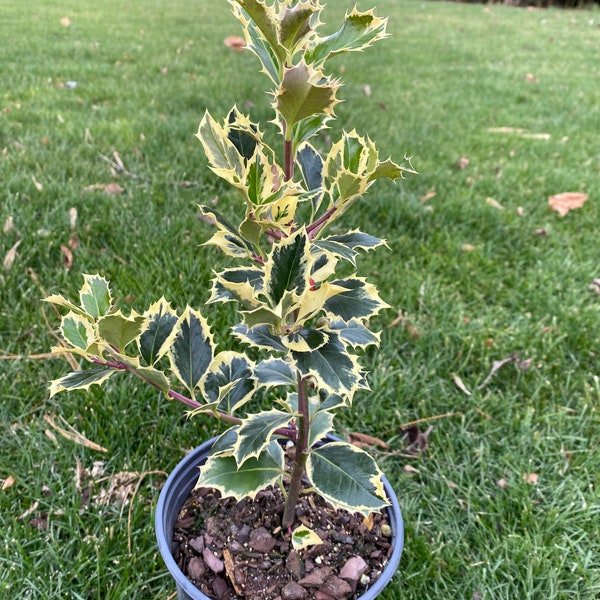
<point x="363" y="440"/>
<point x="566" y="202"/>
<point x="428" y="196"/>
<point x="67" y="257"/>
<point x="417" y="439"/>
<point x="8" y="224"/>
<point x="468" y="248"/>
<point x="502" y="483"/>
<point x="235" y="42"/>
<point x="65" y="21"/>
<point x="494" y="203"/>
<point x="531" y="78"/>
<point x="463" y="163"/>
<point x="29" y="511"/>
<point x="367" y="90"/>
<point x="595" y="286"/>
<point x="531" y="478"/>
<point x="515" y="358"/>
<point x="8" y="482"/>
<point x="110" y="189"/>
<point x="72" y="434"/>
<point x="10" y="257"/>
<point x="459" y="384"/>
<point x="38" y="186"/>
<point x="73" y="217"/>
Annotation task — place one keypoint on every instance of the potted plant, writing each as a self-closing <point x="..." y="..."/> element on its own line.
<point x="303" y="322"/>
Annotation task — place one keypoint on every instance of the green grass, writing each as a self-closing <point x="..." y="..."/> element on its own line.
<point x="474" y="283"/>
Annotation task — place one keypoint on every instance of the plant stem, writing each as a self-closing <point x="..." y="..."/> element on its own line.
<point x="299" y="465"/>
<point x="288" y="160"/>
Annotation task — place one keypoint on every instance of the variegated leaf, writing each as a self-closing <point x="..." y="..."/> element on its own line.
<point x="160" y="320"/>
<point x="275" y="371"/>
<point x="77" y="330"/>
<point x="95" y="295"/>
<point x="320" y="425"/>
<point x="265" y="18"/>
<point x="354" y="333"/>
<point x="288" y="267"/>
<point x="59" y="300"/>
<point x="335" y="370"/>
<point x="223" y="473"/>
<point x="255" y="431"/>
<point x="81" y="380"/>
<point x="191" y="348"/>
<point x="360" y="300"/>
<point x="239" y="284"/>
<point x="259" y="336"/>
<point x="303" y="537"/>
<point x="347" y="477"/>
<point x="359" y="30"/>
<point x="150" y="375"/>
<point x="233" y="371"/>
<point x="295" y="24"/>
<point x="118" y="330"/>
<point x="305" y="92"/>
<point x="305" y="340"/>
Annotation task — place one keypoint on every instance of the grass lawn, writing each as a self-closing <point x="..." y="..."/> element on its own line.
<point x="493" y="338"/>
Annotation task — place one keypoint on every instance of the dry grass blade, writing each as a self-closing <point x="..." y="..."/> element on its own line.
<point x="72" y="434"/>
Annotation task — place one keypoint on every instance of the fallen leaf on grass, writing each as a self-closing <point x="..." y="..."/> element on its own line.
<point x="531" y="478"/>
<point x="73" y="435"/>
<point x="428" y="196"/>
<point x="8" y="224"/>
<point x="8" y="482"/>
<point x="459" y="384"/>
<point x="494" y="203"/>
<point x="363" y="440"/>
<point x="73" y="217"/>
<point x="462" y="163"/>
<point x="566" y="202"/>
<point x="468" y="248"/>
<point x="9" y="259"/>
<point x="410" y="469"/>
<point x="367" y="90"/>
<point x="235" y="42"/>
<point x="38" y="186"/>
<point x="29" y="511"/>
<point x="110" y="189"/>
<point x="65" y="21"/>
<point x="515" y="358"/>
<point x="502" y="483"/>
<point x="417" y="439"/>
<point x="595" y="286"/>
<point x="67" y="257"/>
<point x="531" y="78"/>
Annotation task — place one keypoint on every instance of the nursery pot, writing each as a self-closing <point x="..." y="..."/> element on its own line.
<point x="178" y="487"/>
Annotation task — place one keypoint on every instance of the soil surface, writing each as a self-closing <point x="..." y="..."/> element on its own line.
<point x="236" y="550"/>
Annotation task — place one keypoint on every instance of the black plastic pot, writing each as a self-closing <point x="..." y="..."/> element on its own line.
<point x="176" y="491"/>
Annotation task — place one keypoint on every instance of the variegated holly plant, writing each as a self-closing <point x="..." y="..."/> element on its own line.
<point x="305" y="321"/>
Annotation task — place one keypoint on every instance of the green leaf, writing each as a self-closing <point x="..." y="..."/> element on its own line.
<point x="321" y="424"/>
<point x="347" y="477"/>
<point x="275" y="371"/>
<point x="81" y="380"/>
<point x="304" y="92"/>
<point x="307" y="128"/>
<point x="229" y="368"/>
<point x="305" y="340"/>
<point x="334" y="369"/>
<point x="224" y="444"/>
<point x="191" y="348"/>
<point x="359" y="30"/>
<point x="77" y="330"/>
<point x="359" y="300"/>
<point x="288" y="267"/>
<point x="95" y="295"/>
<point x="223" y="473"/>
<point x="118" y="330"/>
<point x="303" y="537"/>
<point x="160" y="320"/>
<point x="259" y="336"/>
<point x="255" y="431"/>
